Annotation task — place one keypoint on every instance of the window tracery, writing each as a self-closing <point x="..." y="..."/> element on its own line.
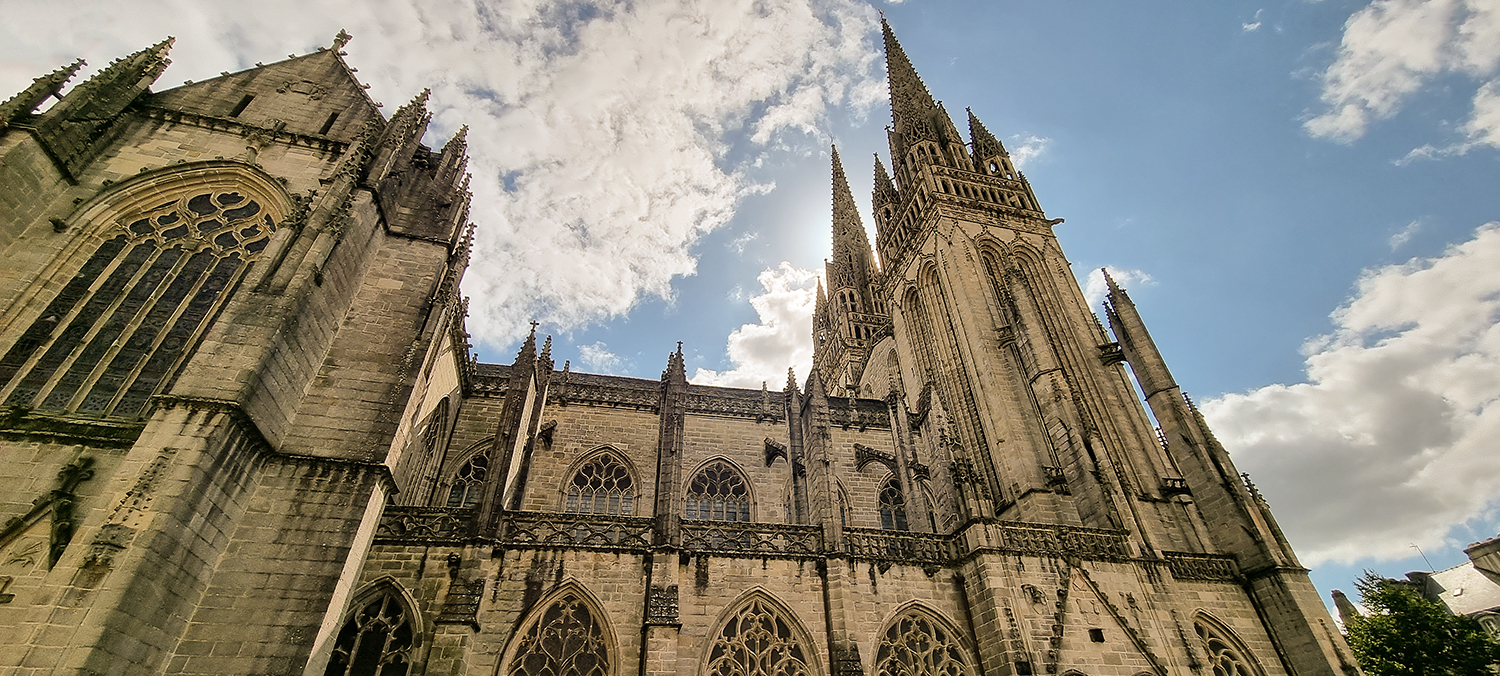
<point x="119" y="326"/>
<point x="892" y="505"/>
<point x="468" y="482"/>
<point x="718" y="493"/>
<point x="602" y="486"/>
<point x="914" y="645"/>
<point x="567" y="640"/>
<point x="377" y="640"/>
<point x="1225" y="658"/>
<point x="756" y="640"/>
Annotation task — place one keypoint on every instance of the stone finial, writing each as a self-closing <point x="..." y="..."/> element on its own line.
<point x="341" y="39"/>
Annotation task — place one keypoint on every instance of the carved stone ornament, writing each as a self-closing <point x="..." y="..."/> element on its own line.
<point x="307" y="88"/>
<point x="661" y="607"/>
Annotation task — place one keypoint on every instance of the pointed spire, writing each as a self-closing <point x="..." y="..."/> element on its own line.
<point x="547" y="348"/>
<point x="791" y="379"/>
<point x="852" y="259"/>
<point x="460" y="140"/>
<point x="70" y="128"/>
<point x="985" y="144"/>
<point x="911" y="104"/>
<point x="527" y="354"/>
<point x="26" y="101"/>
<point x="885" y="191"/>
<point x="676" y="368"/>
<point x="822" y="302"/>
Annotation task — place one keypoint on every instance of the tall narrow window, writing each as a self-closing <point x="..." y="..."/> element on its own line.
<point x="468" y="482"/>
<point x="602" y="486"/>
<point x="892" y="505"/>
<point x="375" y="641"/>
<point x="914" y="645"/>
<point x="328" y="123"/>
<point x="117" y="330"/>
<point x="718" y="493"/>
<point x="566" y="640"/>
<point x="757" y="641"/>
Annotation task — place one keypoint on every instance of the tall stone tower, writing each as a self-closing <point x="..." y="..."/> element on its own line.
<point x="243" y="433"/>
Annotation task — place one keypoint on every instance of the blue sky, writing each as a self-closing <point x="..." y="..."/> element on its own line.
<point x="1295" y="192"/>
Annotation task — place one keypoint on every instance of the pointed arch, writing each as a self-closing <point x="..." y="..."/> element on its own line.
<point x="1227" y="654"/>
<point x="758" y="635"/>
<point x="131" y="295"/>
<point x="453" y="470"/>
<point x="916" y="640"/>
<point x="891" y="501"/>
<point x="601" y="481"/>
<point x="719" y="490"/>
<point x="567" y="633"/>
<point x="381" y="634"/>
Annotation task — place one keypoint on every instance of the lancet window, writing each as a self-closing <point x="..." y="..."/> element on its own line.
<point x="468" y="482"/>
<point x="376" y="640"/>
<point x="718" y="493"/>
<point x="892" y="505"/>
<point x="601" y="486"/>
<point x="115" y="331"/>
<point x="914" y="645"/>
<point x="1225" y="657"/>
<point x="757" y="640"/>
<point x="566" y="640"/>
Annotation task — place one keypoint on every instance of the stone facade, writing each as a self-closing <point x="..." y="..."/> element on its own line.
<point x="244" y="435"/>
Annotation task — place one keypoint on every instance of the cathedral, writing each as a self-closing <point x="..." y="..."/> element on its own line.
<point x="242" y="432"/>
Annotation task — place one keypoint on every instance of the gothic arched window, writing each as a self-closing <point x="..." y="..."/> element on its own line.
<point x="718" y="493"/>
<point x="601" y="486"/>
<point x="1225" y="655"/>
<point x="114" y="332"/>
<point x="758" y="640"/>
<point x="565" y="640"/>
<point x="914" y="645"/>
<point x="376" y="640"/>
<point x="468" y="482"/>
<point x="892" y="505"/>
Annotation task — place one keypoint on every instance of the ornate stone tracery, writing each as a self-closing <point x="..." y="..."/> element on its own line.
<point x="892" y="505"/>
<point x="566" y="639"/>
<point x="718" y="493"/>
<point x="468" y="482"/>
<point x="109" y="338"/>
<point x="376" y="640"/>
<point x="601" y="486"/>
<point x="914" y="645"/>
<point x="758" y="640"/>
<point x="1226" y="657"/>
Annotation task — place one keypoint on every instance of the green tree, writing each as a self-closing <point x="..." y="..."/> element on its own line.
<point x="1404" y="634"/>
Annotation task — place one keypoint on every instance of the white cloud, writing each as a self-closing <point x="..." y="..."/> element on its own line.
<point x="1391" y="49"/>
<point x="1404" y="235"/>
<point x="762" y="352"/>
<point x="596" y="358"/>
<point x="1095" y="289"/>
<point x="1391" y="439"/>
<point x="611" y="123"/>
<point x="1254" y="24"/>
<point x="1026" y="147"/>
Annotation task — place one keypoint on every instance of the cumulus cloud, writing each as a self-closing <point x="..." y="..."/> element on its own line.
<point x="1398" y="416"/>
<point x="1391" y="49"/>
<point x="600" y="132"/>
<point x="762" y="352"/>
<point x="597" y="358"/>
<point x="1026" y="147"/>
<point x="1095" y="289"/>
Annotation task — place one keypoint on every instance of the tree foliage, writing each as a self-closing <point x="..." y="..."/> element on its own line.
<point x="1404" y="634"/>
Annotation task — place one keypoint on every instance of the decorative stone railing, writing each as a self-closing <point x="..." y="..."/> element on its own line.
<point x="756" y="539"/>
<point x="897" y="546"/>
<point x="1186" y="566"/>
<point x="425" y="525"/>
<point x="546" y="530"/>
<point x="1086" y="543"/>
